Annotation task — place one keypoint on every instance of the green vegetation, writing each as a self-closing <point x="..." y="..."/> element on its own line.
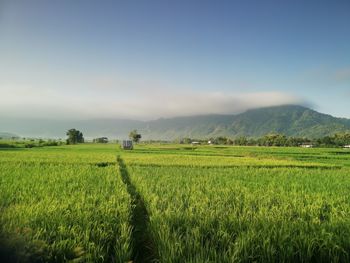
<point x="28" y="143"/>
<point x="59" y="204"/>
<point x="74" y="136"/>
<point x="175" y="203"/>
<point x="275" y="139"/>
<point x="244" y="204"/>
<point x="134" y="136"/>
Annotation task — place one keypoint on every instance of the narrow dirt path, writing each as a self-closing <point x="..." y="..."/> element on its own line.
<point x="143" y="247"/>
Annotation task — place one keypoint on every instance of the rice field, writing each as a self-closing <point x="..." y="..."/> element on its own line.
<point x="175" y="203"/>
<point x="63" y="204"/>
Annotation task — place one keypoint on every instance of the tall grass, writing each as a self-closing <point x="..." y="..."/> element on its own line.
<point x="203" y="204"/>
<point x="58" y="206"/>
<point x="210" y="213"/>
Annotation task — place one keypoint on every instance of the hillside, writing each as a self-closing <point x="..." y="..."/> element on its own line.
<point x="7" y="135"/>
<point x="290" y="120"/>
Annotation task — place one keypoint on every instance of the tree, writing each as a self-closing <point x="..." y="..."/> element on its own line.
<point x="295" y="141"/>
<point x="185" y="140"/>
<point x="341" y="139"/>
<point x="241" y="141"/>
<point x="220" y="140"/>
<point x="273" y="140"/>
<point x="134" y="136"/>
<point x="74" y="136"/>
<point x="229" y="141"/>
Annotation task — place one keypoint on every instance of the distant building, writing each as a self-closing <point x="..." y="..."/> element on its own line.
<point x="306" y="145"/>
<point x="210" y="142"/>
<point x="100" y="140"/>
<point x="127" y="145"/>
<point x="347" y="146"/>
<point x="195" y="143"/>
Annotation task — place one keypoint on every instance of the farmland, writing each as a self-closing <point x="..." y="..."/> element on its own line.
<point x="63" y="204"/>
<point x="175" y="203"/>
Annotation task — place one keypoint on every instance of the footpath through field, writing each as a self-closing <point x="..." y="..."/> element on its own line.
<point x="143" y="247"/>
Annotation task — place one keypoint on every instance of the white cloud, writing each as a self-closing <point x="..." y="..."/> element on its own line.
<point x="129" y="99"/>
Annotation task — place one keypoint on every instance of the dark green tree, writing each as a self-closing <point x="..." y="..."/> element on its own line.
<point x="241" y="141"/>
<point x="134" y="136"/>
<point x="220" y="140"/>
<point x="229" y="141"/>
<point x="273" y="139"/>
<point x="185" y="140"/>
<point x="74" y="136"/>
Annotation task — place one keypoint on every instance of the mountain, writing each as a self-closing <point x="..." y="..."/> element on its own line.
<point x="291" y="120"/>
<point x="8" y="135"/>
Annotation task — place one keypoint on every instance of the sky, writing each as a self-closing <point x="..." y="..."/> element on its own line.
<point x="150" y="59"/>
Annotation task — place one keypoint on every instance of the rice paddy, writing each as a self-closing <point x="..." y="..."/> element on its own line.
<point x="175" y="203"/>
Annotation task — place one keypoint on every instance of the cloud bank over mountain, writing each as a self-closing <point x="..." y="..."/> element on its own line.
<point x="143" y="103"/>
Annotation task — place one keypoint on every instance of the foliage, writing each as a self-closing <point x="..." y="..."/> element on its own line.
<point x="134" y="136"/>
<point x="275" y="139"/>
<point x="59" y="205"/>
<point x="28" y="143"/>
<point x="242" y="140"/>
<point x="339" y="139"/>
<point x="186" y="140"/>
<point x="74" y="136"/>
<point x="239" y="204"/>
<point x="202" y="204"/>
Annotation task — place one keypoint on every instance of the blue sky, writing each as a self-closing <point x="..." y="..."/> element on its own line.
<point x="150" y="59"/>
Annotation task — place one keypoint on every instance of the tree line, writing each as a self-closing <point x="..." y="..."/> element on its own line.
<point x="75" y="136"/>
<point x="275" y="139"/>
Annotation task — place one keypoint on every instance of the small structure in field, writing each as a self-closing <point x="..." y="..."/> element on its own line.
<point x="195" y="143"/>
<point x="210" y="142"/>
<point x="127" y="145"/>
<point x="306" y="145"/>
<point x="347" y="146"/>
<point x="100" y="140"/>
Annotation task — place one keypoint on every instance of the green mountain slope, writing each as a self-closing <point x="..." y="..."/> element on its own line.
<point x="290" y="120"/>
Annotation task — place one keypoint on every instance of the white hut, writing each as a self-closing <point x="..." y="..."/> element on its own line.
<point x="306" y="145"/>
<point x="127" y="145"/>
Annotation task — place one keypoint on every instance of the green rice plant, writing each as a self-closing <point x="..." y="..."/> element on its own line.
<point x="188" y="204"/>
<point x="212" y="212"/>
<point x="60" y="205"/>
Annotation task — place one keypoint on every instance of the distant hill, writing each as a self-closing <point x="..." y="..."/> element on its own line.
<point x="290" y="120"/>
<point x="8" y="135"/>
